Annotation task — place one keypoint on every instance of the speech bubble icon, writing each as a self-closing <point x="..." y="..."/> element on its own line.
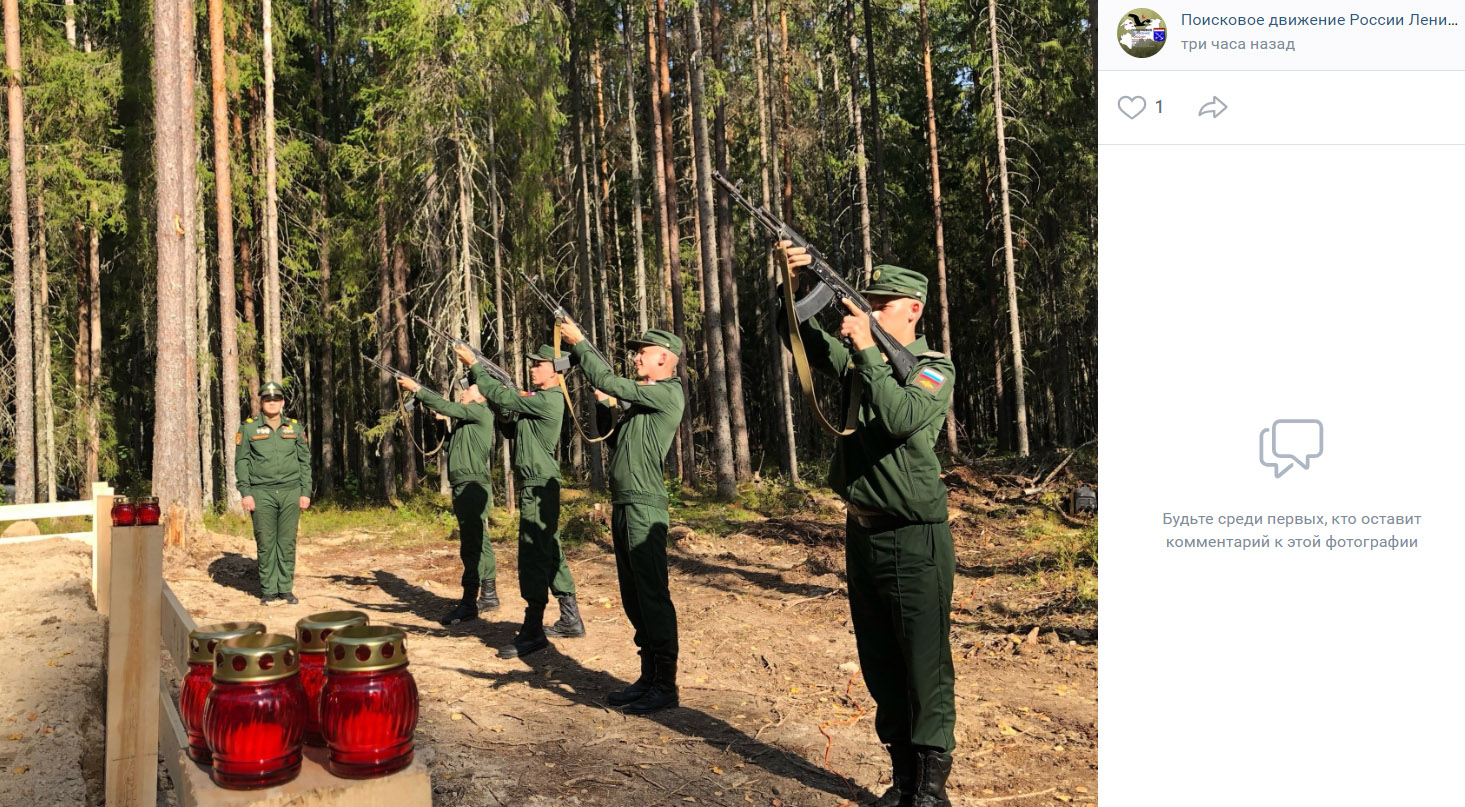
<point x="1298" y="440"/>
<point x="1268" y="459"/>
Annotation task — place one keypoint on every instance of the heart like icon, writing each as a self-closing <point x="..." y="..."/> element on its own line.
<point x="1132" y="105"/>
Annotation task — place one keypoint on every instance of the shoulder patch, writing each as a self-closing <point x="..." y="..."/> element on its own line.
<point x="238" y="438"/>
<point x="930" y="379"/>
<point x="526" y="393"/>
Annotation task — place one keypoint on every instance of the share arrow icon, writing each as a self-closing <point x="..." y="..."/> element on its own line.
<point x="1213" y="107"/>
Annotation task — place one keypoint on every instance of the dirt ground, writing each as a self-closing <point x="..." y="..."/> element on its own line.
<point x="773" y="712"/>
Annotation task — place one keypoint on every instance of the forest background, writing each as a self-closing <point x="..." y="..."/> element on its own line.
<point x="204" y="195"/>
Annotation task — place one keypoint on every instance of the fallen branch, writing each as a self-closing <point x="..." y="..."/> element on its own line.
<point x="996" y="799"/>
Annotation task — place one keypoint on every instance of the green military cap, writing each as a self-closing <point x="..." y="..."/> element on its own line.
<point x="660" y="338"/>
<point x="542" y="353"/>
<point x="896" y="281"/>
<point x="269" y="388"/>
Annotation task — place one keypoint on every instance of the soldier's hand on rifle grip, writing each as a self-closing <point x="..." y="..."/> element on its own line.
<point x="798" y="257"/>
<point x="408" y="384"/>
<point x="465" y="354"/>
<point x="571" y="332"/>
<point x="856" y="326"/>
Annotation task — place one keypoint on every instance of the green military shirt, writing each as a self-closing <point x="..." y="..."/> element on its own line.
<point x="649" y="421"/>
<point x="272" y="456"/>
<point x="888" y="465"/>
<point x="471" y="444"/>
<point x="538" y="416"/>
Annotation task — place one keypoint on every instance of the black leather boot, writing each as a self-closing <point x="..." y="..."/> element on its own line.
<point x="663" y="691"/>
<point x="932" y="768"/>
<point x="569" y="625"/>
<point x="531" y="636"/>
<point x="902" y="776"/>
<point x="462" y="612"/>
<point x="488" y="598"/>
<point x="633" y="693"/>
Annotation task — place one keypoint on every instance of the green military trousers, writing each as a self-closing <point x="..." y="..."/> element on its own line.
<point x="900" y="584"/>
<point x="470" y="504"/>
<point x="542" y="565"/>
<point x="639" y="534"/>
<point x="276" y="518"/>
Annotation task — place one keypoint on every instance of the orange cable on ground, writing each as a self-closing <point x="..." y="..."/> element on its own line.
<point x="830" y="746"/>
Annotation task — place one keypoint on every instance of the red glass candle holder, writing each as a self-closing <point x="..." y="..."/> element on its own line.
<point x="311" y="634"/>
<point x="124" y="512"/>
<point x="254" y="717"/>
<point x="202" y="642"/>
<point x="368" y="707"/>
<point x="148" y="511"/>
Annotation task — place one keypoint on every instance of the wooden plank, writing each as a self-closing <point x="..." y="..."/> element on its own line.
<point x="173" y="742"/>
<point x="314" y="787"/>
<point x="102" y="550"/>
<point x="176" y="625"/>
<point x="132" y="667"/>
<point x="31" y="512"/>
<point x="85" y="537"/>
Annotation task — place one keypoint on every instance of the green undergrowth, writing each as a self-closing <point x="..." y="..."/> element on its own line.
<point x="1065" y="556"/>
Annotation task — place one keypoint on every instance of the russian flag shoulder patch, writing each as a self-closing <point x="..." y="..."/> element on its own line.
<point x="930" y="379"/>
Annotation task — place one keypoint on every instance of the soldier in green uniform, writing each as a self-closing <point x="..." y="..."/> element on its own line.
<point x="272" y="468"/>
<point x="469" y="453"/>
<point x="898" y="548"/>
<point x="534" y="418"/>
<point x="651" y="410"/>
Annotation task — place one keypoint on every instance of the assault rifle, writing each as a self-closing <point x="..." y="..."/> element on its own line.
<point x="831" y="288"/>
<point x="395" y="373"/>
<point x="562" y="363"/>
<point x="494" y="370"/>
<point x="560" y="314"/>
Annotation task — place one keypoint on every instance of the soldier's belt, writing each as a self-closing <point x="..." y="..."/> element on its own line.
<point x="881" y="522"/>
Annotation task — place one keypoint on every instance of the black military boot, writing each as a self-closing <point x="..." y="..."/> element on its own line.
<point x="633" y="693"/>
<point x="531" y="636"/>
<point x="488" y="598"/>
<point x="932" y="768"/>
<point x="663" y="691"/>
<point x="569" y="625"/>
<point x="462" y="612"/>
<point x="902" y="776"/>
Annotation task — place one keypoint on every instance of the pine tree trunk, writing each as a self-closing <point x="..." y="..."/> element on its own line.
<point x="674" y="239"/>
<point x="508" y="351"/>
<point x="327" y="431"/>
<point x="402" y="330"/>
<point x="387" y="453"/>
<point x="202" y="344"/>
<point x="80" y="367"/>
<point x="224" y="221"/>
<point x="249" y="345"/>
<point x="770" y="177"/>
<point x="94" y="355"/>
<point x="175" y="428"/>
<point x="274" y="366"/>
<point x="942" y="307"/>
<point x="712" y="333"/>
<point x="40" y="317"/>
<point x="1019" y="391"/>
<point x="881" y="197"/>
<point x="732" y="338"/>
<point x="582" y="169"/>
<point x="663" y="232"/>
<point x="634" y="136"/>
<point x="20" y="253"/>
<point x="857" y="125"/>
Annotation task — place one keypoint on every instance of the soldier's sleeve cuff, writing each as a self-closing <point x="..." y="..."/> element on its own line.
<point x="869" y="357"/>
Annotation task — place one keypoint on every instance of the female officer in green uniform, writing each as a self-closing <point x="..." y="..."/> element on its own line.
<point x="272" y="465"/>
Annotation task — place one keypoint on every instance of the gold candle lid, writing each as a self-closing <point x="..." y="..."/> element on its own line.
<point x="204" y="640"/>
<point x="256" y="658"/>
<point x="365" y="648"/>
<point x="313" y="631"/>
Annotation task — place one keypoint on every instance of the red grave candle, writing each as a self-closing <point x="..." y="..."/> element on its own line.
<point x="124" y="512"/>
<point x="368" y="707"/>
<point x="202" y="643"/>
<point x="311" y="634"/>
<point x="148" y="511"/>
<point x="254" y="717"/>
